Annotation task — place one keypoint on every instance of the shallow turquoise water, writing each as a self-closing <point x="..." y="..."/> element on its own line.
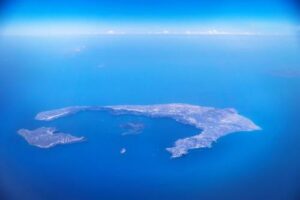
<point x="255" y="75"/>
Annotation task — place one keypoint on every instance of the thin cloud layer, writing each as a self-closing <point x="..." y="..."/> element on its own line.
<point x="59" y="28"/>
<point x="286" y="73"/>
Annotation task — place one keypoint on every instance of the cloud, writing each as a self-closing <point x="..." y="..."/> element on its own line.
<point x="219" y="32"/>
<point x="162" y="32"/>
<point x="97" y="28"/>
<point x="100" y="66"/>
<point x="286" y="73"/>
<point x="79" y="49"/>
<point x="201" y="32"/>
<point x="111" y="32"/>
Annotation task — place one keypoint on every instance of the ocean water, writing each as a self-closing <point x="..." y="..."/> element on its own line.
<point x="257" y="75"/>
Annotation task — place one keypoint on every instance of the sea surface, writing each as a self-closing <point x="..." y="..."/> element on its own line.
<point x="257" y="75"/>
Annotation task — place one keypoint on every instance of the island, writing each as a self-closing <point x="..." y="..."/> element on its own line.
<point x="46" y="137"/>
<point x="213" y="123"/>
<point x="132" y="128"/>
<point x="123" y="151"/>
<point x="58" y="113"/>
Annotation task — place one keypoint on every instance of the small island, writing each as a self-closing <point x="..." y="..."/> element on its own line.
<point x="46" y="137"/>
<point x="132" y="128"/>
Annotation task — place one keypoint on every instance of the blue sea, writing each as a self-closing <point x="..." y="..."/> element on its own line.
<point x="257" y="75"/>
